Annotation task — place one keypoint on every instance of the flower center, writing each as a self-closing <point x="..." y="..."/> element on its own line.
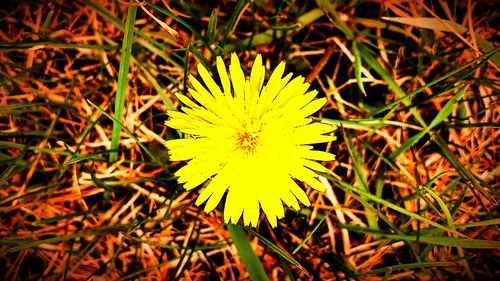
<point x="247" y="141"/>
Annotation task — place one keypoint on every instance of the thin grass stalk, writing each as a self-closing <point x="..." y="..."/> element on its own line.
<point x="121" y="89"/>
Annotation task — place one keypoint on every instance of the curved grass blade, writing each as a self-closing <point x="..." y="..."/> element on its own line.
<point x="357" y="67"/>
<point x="333" y="16"/>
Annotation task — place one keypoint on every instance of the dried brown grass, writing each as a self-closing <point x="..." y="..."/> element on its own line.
<point x="84" y="220"/>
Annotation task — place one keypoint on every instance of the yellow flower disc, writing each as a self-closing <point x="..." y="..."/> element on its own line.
<point x="250" y="140"/>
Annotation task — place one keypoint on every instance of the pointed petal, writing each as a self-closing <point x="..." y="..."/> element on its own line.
<point x="313" y="133"/>
<point x="185" y="100"/>
<point x="209" y="81"/>
<point x="298" y="102"/>
<point x="219" y="189"/>
<point x="290" y="200"/>
<point x="226" y="84"/>
<point x="315" y="183"/>
<point x="275" y="82"/>
<point x="234" y="206"/>
<point x="257" y="74"/>
<point x="237" y="77"/>
<point x="271" y="209"/>
<point x="204" y="99"/>
<point x="251" y="212"/>
<point x="299" y="193"/>
<point x="315" y="166"/>
<point x="312" y="107"/>
<point x="290" y="90"/>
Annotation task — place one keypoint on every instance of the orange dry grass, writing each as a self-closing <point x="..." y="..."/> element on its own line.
<point x="125" y="220"/>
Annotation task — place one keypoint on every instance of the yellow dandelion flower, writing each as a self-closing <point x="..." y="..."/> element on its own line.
<point x="250" y="140"/>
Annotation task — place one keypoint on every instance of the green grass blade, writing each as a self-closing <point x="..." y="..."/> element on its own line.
<point x="405" y="267"/>
<point x="361" y="176"/>
<point x="488" y="47"/>
<point x="6" y="173"/>
<point x="277" y="250"/>
<point x="194" y="30"/>
<point x="232" y="20"/>
<point x="443" y="114"/>
<point x="148" y="152"/>
<point x="442" y="241"/>
<point x="375" y="65"/>
<point x="287" y="269"/>
<point x="247" y="254"/>
<point x="6" y="144"/>
<point x="5" y="47"/>
<point x="368" y="196"/>
<point x="212" y="26"/>
<point x="107" y="14"/>
<point x="445" y="25"/>
<point x="447" y="108"/>
<point x="463" y="171"/>
<point x="440" y="79"/>
<point x="23" y="244"/>
<point x="357" y="67"/>
<point x="451" y="223"/>
<point x="327" y="8"/>
<point x="122" y="80"/>
<point x="310" y="234"/>
<point x="491" y="222"/>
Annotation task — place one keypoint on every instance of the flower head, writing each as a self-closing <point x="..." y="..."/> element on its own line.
<point x="250" y="140"/>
